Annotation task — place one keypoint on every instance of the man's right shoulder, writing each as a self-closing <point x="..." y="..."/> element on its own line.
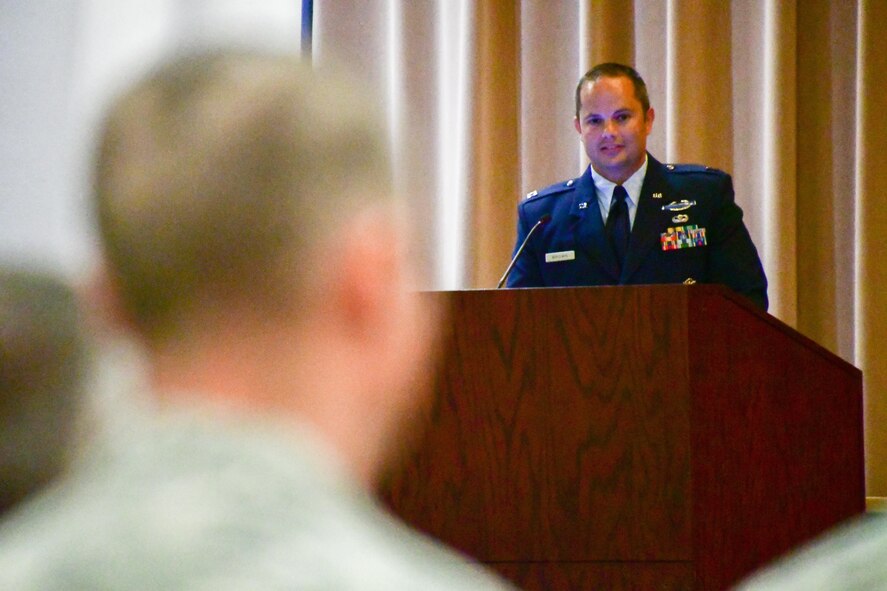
<point x="555" y="190"/>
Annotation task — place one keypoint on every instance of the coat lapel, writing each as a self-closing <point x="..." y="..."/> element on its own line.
<point x="588" y="227"/>
<point x="645" y="231"/>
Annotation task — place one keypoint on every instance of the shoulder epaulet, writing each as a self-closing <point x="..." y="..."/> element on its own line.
<point x="691" y="168"/>
<point x="552" y="189"/>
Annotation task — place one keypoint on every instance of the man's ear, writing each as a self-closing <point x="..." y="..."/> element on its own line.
<point x="370" y="277"/>
<point x="577" y="125"/>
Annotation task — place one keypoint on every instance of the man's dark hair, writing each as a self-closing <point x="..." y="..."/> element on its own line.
<point x="614" y="70"/>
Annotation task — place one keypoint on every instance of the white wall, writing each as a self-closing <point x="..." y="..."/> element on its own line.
<point x="60" y="62"/>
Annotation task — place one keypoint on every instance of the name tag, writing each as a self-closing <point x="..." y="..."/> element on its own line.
<point x="556" y="257"/>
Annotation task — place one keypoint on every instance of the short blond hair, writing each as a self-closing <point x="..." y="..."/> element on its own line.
<point x="219" y="170"/>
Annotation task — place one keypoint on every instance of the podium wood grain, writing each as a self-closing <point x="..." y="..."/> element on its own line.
<point x="663" y="437"/>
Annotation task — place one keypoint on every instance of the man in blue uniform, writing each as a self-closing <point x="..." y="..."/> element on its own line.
<point x="630" y="219"/>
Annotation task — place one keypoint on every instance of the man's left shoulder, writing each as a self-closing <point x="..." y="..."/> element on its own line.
<point x="694" y="169"/>
<point x="703" y="181"/>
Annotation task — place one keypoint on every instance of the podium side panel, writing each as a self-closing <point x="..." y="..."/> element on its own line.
<point x="777" y="439"/>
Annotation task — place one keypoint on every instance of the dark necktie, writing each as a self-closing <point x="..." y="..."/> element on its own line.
<point x="618" y="226"/>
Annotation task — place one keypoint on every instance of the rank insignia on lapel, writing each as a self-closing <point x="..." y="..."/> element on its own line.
<point x="680" y="219"/>
<point x="678" y="205"/>
<point x="657" y="195"/>
<point x="583" y="205"/>
<point x="683" y="237"/>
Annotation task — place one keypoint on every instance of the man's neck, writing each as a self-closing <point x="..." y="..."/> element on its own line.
<point x="287" y="377"/>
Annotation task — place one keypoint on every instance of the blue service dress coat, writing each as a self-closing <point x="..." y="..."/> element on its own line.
<point x="687" y="229"/>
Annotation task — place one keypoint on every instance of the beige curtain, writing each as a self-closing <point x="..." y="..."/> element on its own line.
<point x="869" y="279"/>
<point x="789" y="97"/>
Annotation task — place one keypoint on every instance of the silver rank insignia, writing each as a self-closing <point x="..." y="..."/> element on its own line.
<point x="583" y="205"/>
<point x="680" y="218"/>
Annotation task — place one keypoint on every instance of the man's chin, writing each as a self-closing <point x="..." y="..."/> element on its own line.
<point x="610" y="166"/>
<point x="611" y="157"/>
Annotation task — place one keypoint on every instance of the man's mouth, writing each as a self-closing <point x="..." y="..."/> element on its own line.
<point x="611" y="149"/>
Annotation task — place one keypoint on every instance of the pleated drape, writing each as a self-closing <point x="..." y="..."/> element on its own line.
<point x="787" y="96"/>
<point x="607" y="35"/>
<point x="870" y="224"/>
<point x="494" y="142"/>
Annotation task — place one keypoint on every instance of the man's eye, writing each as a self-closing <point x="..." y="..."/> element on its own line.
<point x="594" y="121"/>
<point x="622" y="117"/>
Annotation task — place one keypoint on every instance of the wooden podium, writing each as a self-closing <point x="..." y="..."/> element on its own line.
<point x="651" y="437"/>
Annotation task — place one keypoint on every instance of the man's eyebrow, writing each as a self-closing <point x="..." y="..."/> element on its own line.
<point x="616" y="112"/>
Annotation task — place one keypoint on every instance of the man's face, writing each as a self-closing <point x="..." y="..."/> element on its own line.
<point x="613" y="127"/>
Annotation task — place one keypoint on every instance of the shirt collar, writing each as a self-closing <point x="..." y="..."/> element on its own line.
<point x="632" y="184"/>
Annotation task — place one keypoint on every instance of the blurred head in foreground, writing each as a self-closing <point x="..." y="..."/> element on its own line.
<point x="255" y="247"/>
<point x="43" y="359"/>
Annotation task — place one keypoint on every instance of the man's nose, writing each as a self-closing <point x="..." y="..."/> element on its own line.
<point x="609" y="127"/>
